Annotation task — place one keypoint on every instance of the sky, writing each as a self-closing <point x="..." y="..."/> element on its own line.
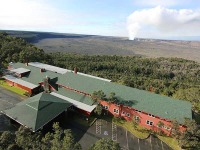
<point x="126" y="18"/>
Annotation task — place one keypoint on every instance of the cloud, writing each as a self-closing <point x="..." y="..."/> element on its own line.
<point x="30" y="15"/>
<point x="162" y="2"/>
<point x="167" y="22"/>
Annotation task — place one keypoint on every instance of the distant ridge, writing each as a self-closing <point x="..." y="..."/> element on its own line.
<point x="108" y="45"/>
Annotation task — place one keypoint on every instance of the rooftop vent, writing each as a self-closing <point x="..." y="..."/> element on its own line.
<point x="75" y="70"/>
<point x="42" y="70"/>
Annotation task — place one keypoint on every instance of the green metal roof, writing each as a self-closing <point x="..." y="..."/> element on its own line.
<point x="162" y="106"/>
<point x="75" y="96"/>
<point x="35" y="76"/>
<point x="38" y="110"/>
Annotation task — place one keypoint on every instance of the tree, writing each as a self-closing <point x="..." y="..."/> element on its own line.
<point x="111" y="97"/>
<point x="135" y="121"/>
<point x="175" y="129"/>
<point x="191" y="94"/>
<point x="59" y="140"/>
<point x="69" y="141"/>
<point x="13" y="147"/>
<point x="191" y="136"/>
<point x="28" y="140"/>
<point x="98" y="95"/>
<point x="160" y="124"/>
<point x="98" y="109"/>
<point x="46" y="141"/>
<point x="105" y="144"/>
<point x="56" y="137"/>
<point x="7" y="138"/>
<point x="25" y="139"/>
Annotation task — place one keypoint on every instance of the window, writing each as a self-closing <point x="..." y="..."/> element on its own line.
<point x="138" y="111"/>
<point x="151" y="115"/>
<point x="128" y="115"/>
<point x="117" y="104"/>
<point x="167" y="128"/>
<point x="105" y="107"/>
<point x="116" y="111"/>
<point x="123" y="113"/>
<point x="137" y="118"/>
<point x="149" y="123"/>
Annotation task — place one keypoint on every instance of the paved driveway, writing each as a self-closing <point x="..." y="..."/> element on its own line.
<point x="104" y="129"/>
<point x="7" y="99"/>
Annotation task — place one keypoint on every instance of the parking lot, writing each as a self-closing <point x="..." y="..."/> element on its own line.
<point x="7" y="99"/>
<point x="104" y="129"/>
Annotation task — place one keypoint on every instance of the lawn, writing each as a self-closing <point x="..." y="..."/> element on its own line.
<point x="13" y="88"/>
<point x="172" y="142"/>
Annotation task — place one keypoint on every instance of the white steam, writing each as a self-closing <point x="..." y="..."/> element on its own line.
<point x="170" y="22"/>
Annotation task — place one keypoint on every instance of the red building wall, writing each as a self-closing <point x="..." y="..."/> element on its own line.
<point x="31" y="91"/>
<point x="23" y="87"/>
<point x="143" y="117"/>
<point x="10" y="83"/>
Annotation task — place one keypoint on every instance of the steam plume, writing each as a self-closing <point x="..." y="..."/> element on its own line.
<point x="170" y="22"/>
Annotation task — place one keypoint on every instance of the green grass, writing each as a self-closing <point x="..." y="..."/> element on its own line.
<point x="13" y="88"/>
<point x="172" y="142"/>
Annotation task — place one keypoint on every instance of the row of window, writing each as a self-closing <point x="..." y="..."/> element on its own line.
<point x="123" y="113"/>
<point x="138" y="111"/>
<point x="148" y="122"/>
<point x="151" y="115"/>
<point x="167" y="128"/>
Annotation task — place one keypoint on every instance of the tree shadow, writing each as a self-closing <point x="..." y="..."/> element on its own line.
<point x="127" y="102"/>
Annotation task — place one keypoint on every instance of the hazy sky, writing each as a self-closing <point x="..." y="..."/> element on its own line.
<point x="140" y="18"/>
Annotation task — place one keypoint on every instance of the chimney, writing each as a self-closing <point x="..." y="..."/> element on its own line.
<point x="150" y="88"/>
<point x="75" y="70"/>
<point x="26" y="64"/>
<point x="42" y="70"/>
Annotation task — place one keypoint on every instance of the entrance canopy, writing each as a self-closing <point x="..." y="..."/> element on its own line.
<point x="37" y="111"/>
